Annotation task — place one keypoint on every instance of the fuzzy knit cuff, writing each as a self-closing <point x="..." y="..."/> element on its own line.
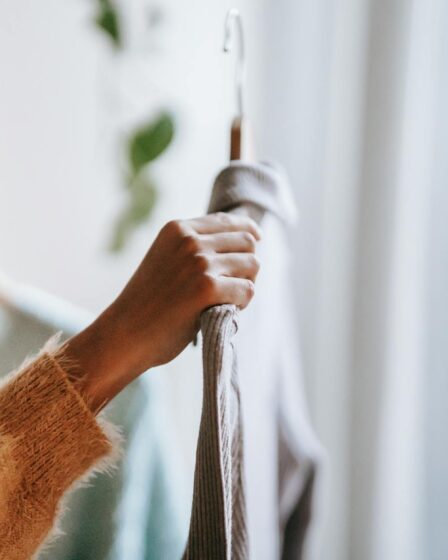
<point x="49" y="440"/>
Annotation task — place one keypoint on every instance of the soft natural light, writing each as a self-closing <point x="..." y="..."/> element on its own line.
<point x="110" y="128"/>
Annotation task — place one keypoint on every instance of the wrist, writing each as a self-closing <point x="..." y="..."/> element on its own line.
<point x="99" y="370"/>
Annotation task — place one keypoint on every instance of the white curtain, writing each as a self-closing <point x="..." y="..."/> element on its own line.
<point x="357" y="114"/>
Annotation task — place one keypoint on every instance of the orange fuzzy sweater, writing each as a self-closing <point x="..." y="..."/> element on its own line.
<point x="49" y="441"/>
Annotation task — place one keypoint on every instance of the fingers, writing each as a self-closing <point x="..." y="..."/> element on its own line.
<point x="230" y="279"/>
<point x="217" y="257"/>
<point x="230" y="242"/>
<point x="223" y="222"/>
<point x="234" y="290"/>
<point x="236" y="265"/>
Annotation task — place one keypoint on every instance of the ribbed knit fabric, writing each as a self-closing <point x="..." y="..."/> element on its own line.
<point x="220" y="518"/>
<point x="218" y="526"/>
<point x="48" y="440"/>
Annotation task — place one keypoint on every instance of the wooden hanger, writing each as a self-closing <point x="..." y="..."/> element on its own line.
<point x="241" y="146"/>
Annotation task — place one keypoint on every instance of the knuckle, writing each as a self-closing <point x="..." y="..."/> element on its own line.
<point x="224" y="218"/>
<point x="249" y="239"/>
<point x="174" y="227"/>
<point x="201" y="262"/>
<point x="208" y="288"/>
<point x="255" y="262"/>
<point x="191" y="244"/>
<point x="250" y="290"/>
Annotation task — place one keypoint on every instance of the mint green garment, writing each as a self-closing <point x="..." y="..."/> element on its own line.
<point x="101" y="519"/>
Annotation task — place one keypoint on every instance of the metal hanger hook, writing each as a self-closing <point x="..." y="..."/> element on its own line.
<point x="233" y="19"/>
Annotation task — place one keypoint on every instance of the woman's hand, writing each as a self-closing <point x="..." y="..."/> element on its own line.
<point x="192" y="265"/>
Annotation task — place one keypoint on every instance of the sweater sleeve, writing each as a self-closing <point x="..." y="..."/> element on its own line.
<point x="218" y="516"/>
<point x="49" y="441"/>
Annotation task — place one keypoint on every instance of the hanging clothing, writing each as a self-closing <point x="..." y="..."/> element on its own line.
<point x="255" y="487"/>
<point x="218" y="520"/>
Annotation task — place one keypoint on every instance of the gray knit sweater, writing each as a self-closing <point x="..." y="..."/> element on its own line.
<point x="219" y="526"/>
<point x="218" y="523"/>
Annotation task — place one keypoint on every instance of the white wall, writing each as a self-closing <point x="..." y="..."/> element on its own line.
<point x="65" y="98"/>
<point x="64" y="101"/>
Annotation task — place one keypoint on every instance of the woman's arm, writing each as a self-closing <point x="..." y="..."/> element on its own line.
<point x="192" y="265"/>
<point x="49" y="438"/>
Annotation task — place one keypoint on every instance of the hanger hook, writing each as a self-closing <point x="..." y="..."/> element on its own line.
<point x="233" y="16"/>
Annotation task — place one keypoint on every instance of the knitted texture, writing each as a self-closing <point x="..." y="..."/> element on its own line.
<point x="256" y="184"/>
<point x="48" y="440"/>
<point x="223" y="509"/>
<point x="218" y="525"/>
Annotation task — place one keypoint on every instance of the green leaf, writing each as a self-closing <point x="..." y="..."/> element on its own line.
<point x="108" y="21"/>
<point x="143" y="197"/>
<point x="150" y="141"/>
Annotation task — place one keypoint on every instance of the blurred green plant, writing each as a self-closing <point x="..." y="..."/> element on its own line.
<point x="143" y="145"/>
<point x="107" y="19"/>
<point x="150" y="141"/>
